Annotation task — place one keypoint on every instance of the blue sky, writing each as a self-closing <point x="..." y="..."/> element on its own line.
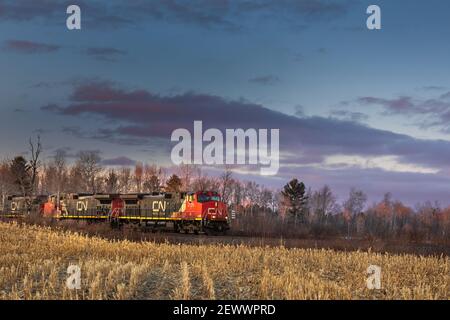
<point x="361" y="108"/>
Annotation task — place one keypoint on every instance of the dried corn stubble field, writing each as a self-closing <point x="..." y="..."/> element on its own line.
<point x="34" y="261"/>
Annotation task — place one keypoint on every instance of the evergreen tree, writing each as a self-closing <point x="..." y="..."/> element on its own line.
<point x="174" y="184"/>
<point x="20" y="170"/>
<point x="295" y="200"/>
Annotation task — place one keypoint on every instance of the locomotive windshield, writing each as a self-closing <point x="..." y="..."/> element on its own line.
<point x="206" y="198"/>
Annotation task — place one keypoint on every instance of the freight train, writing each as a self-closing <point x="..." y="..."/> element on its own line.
<point x="193" y="212"/>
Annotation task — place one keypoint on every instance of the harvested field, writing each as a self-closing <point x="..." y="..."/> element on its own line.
<point x="34" y="262"/>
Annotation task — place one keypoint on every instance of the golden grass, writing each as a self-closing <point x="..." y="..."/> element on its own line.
<point x="34" y="261"/>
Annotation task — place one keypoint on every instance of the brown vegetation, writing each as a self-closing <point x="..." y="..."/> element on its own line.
<point x="294" y="212"/>
<point x="34" y="261"/>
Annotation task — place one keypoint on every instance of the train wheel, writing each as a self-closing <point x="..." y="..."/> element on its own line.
<point x="211" y="232"/>
<point x="115" y="224"/>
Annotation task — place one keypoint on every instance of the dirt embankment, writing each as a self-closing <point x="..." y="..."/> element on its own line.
<point x="137" y="234"/>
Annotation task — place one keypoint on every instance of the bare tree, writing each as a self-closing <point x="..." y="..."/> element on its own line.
<point x="112" y="182"/>
<point x="323" y="204"/>
<point x="74" y="180"/>
<point x="151" y="181"/>
<point x="354" y="205"/>
<point x="47" y="179"/>
<point x="124" y="179"/>
<point x="356" y="201"/>
<point x="265" y="199"/>
<point x="25" y="173"/>
<point x="35" y="151"/>
<point x="251" y="194"/>
<point x="89" y="165"/>
<point x="54" y="174"/>
<point x="186" y="174"/>
<point x="237" y="193"/>
<point x="202" y="182"/>
<point x="6" y="181"/>
<point x="225" y="184"/>
<point x="138" y="176"/>
<point x="60" y="164"/>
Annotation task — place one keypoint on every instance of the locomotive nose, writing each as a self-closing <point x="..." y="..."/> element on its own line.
<point x="212" y="210"/>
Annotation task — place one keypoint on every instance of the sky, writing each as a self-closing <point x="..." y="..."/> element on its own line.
<point x="359" y="108"/>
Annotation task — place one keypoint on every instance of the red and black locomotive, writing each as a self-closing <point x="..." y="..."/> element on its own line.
<point x="194" y="212"/>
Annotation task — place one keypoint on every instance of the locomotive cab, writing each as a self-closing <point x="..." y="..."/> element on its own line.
<point x="204" y="210"/>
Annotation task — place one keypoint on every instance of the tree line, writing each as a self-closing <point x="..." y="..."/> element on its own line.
<point x="295" y="210"/>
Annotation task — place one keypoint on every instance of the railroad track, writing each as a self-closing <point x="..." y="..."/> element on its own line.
<point x="338" y="244"/>
<point x="134" y="233"/>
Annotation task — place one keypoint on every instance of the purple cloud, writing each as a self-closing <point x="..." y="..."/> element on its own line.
<point x="106" y="135"/>
<point x="431" y="112"/>
<point x="445" y="96"/>
<point x="104" y="53"/>
<point x="266" y="80"/>
<point x="399" y="105"/>
<point x="201" y="13"/>
<point x="29" y="47"/>
<point x="141" y="114"/>
<point x="119" y="161"/>
<point x="349" y="115"/>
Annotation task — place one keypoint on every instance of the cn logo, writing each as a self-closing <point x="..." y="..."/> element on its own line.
<point x="82" y="206"/>
<point x="374" y="280"/>
<point x="73" y="282"/>
<point x="159" y="206"/>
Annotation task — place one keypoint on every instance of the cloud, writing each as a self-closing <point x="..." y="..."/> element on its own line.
<point x="266" y="80"/>
<point x="140" y="114"/>
<point x="104" y="53"/>
<point x="29" y="47"/>
<point x="403" y="104"/>
<point x="339" y="152"/>
<point x="375" y="182"/>
<point x="299" y="111"/>
<point x="51" y="107"/>
<point x="104" y="134"/>
<point x="41" y="84"/>
<point x="54" y="12"/>
<point x="306" y="8"/>
<point x="387" y="163"/>
<point x="445" y="96"/>
<point x="430" y="113"/>
<point x="28" y="9"/>
<point x="207" y="14"/>
<point x="349" y="115"/>
<point x="119" y="161"/>
<point x="433" y="88"/>
<point x="299" y="57"/>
